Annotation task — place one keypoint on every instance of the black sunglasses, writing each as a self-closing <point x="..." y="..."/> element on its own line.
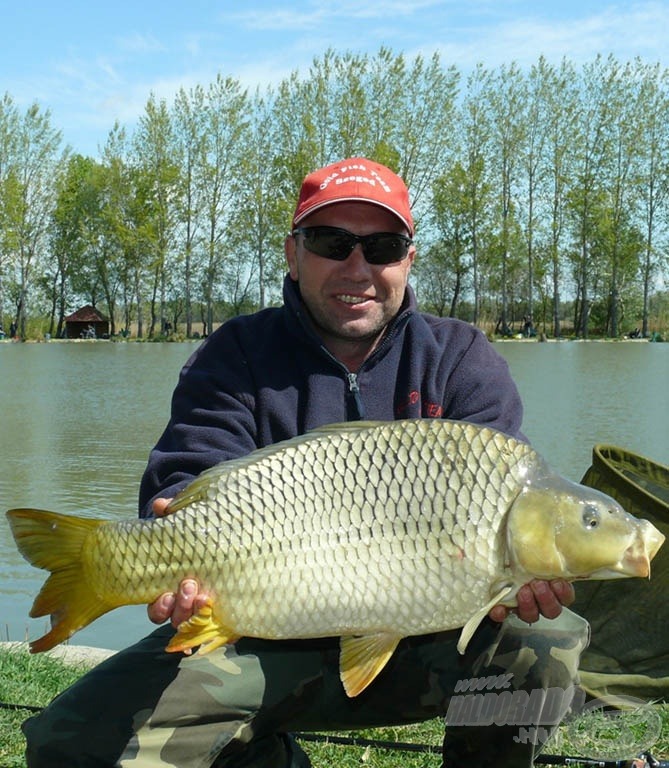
<point x="337" y="244"/>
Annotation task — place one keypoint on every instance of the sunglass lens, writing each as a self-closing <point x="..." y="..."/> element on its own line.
<point x="331" y="245"/>
<point x="385" y="249"/>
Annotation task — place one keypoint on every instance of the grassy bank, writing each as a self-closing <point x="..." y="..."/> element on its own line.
<point x="35" y="680"/>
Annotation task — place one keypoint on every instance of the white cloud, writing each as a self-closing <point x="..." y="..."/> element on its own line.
<point x="318" y="13"/>
<point x="627" y="33"/>
<point x="138" y="43"/>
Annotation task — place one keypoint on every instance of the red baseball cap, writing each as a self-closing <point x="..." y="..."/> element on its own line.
<point x="354" y="180"/>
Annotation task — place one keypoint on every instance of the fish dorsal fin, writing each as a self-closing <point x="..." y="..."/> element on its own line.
<point x="472" y="625"/>
<point x="362" y="658"/>
<point x="198" y="488"/>
<point x="201" y="629"/>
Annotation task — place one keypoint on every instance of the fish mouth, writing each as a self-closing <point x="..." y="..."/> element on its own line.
<point x="636" y="559"/>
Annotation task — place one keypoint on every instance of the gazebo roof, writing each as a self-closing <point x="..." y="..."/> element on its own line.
<point x="86" y="314"/>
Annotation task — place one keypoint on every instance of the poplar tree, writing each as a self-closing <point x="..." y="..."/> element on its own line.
<point x="31" y="199"/>
<point x="652" y="175"/>
<point x="226" y="123"/>
<point x="155" y="153"/>
<point x="189" y="130"/>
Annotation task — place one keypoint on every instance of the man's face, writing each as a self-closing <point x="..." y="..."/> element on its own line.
<point x="350" y="300"/>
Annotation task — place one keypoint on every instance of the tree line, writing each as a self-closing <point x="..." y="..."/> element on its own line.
<point x="534" y="191"/>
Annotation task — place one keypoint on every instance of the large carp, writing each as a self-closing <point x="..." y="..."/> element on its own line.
<point x="371" y="531"/>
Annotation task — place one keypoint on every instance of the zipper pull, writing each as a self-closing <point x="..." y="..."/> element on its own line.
<point x="354" y="389"/>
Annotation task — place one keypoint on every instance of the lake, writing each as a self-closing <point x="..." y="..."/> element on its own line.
<point x="77" y="421"/>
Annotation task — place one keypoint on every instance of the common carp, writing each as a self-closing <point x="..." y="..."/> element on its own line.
<point x="371" y="531"/>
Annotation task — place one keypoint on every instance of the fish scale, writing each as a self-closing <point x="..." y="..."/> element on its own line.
<point x="369" y="530"/>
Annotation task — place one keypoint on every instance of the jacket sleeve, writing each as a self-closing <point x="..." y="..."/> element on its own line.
<point x="480" y="389"/>
<point x="211" y="420"/>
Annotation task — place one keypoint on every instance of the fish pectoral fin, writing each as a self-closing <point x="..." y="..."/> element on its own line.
<point x="472" y="625"/>
<point x="362" y="657"/>
<point x="201" y="629"/>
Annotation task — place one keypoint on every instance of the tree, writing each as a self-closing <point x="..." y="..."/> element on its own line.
<point x="155" y="151"/>
<point x="505" y="102"/>
<point x="226" y="124"/>
<point x="262" y="217"/>
<point x="422" y="130"/>
<point x="449" y="260"/>
<point x="474" y="136"/>
<point x="74" y="236"/>
<point x="625" y="140"/>
<point x="591" y="155"/>
<point x="653" y="174"/>
<point x="9" y="189"/>
<point x="129" y="225"/>
<point x="30" y="200"/>
<point x="533" y="165"/>
<point x="562" y="109"/>
<point x="190" y="137"/>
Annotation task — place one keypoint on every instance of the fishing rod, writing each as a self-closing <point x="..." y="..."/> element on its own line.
<point x="645" y="760"/>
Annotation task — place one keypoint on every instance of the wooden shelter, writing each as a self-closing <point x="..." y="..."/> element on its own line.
<point x="86" y="323"/>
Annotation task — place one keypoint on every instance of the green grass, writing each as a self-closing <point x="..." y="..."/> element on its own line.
<point x="35" y="680"/>
<point x="32" y="680"/>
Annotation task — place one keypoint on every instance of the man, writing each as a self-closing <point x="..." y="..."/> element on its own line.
<point x="347" y="344"/>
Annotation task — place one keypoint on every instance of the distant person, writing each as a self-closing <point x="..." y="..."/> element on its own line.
<point x="528" y="329"/>
<point x="503" y="328"/>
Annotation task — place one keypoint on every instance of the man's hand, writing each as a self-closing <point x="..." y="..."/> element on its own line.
<point x="538" y="598"/>
<point x="179" y="606"/>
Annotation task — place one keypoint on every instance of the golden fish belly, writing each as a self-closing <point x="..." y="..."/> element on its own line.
<point x="330" y="595"/>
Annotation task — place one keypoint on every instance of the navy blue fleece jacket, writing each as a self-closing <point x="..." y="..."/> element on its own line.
<point x="267" y="377"/>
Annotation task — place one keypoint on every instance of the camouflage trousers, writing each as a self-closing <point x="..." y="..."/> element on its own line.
<point x="144" y="708"/>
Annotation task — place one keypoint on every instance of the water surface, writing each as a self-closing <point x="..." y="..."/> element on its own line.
<point x="77" y="421"/>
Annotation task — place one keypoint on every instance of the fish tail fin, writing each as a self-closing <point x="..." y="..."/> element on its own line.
<point x="55" y="543"/>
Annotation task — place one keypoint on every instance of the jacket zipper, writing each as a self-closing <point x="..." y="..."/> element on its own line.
<point x="354" y="389"/>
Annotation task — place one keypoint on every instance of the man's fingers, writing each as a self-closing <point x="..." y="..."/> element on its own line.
<point x="527" y="609"/>
<point x="538" y="598"/>
<point x="185" y="598"/>
<point x="564" y="591"/>
<point x="179" y="606"/>
<point x="161" y="609"/>
<point x="159" y="506"/>
<point x="498" y="613"/>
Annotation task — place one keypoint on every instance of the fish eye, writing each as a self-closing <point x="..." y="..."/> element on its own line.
<point x="590" y="517"/>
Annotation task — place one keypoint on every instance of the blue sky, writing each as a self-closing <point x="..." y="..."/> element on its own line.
<point x="91" y="63"/>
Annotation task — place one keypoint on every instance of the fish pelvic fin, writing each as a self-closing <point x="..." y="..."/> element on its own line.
<point x="56" y="543"/>
<point x="362" y="658"/>
<point x="203" y="630"/>
<point x="472" y="625"/>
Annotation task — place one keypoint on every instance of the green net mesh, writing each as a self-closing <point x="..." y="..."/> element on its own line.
<point x="629" y="649"/>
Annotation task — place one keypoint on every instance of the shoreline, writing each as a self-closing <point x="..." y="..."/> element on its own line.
<point x="494" y="340"/>
<point x="70" y="654"/>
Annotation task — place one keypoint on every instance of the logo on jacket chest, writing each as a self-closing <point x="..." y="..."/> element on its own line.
<point x="414" y="407"/>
